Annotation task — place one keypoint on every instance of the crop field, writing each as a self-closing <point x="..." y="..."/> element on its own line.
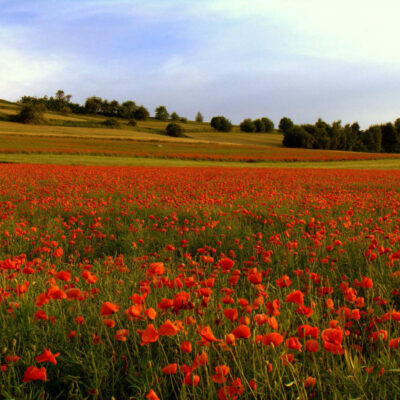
<point x="199" y="283"/>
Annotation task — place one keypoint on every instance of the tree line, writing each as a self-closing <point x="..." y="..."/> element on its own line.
<point x="321" y="135"/>
<point x="95" y="105"/>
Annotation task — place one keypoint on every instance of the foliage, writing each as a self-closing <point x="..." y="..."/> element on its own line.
<point x="175" y="130"/>
<point x="32" y="114"/>
<point x="297" y="136"/>
<point x="161" y="113"/>
<point x="285" y="124"/>
<point x="199" y="117"/>
<point x="112" y="123"/>
<point x="174" y="116"/>
<point x="247" y="125"/>
<point x="221" y="124"/>
<point x="141" y="113"/>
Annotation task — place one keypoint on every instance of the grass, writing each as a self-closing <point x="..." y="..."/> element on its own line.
<point x="76" y="159"/>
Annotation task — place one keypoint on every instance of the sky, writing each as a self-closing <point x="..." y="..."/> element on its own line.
<point x="305" y="59"/>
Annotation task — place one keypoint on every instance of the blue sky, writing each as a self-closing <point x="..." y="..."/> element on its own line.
<point x="240" y="58"/>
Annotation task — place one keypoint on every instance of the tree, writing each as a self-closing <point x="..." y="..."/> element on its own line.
<point x="199" y="117"/>
<point x="175" y="130"/>
<point x="141" y="113"/>
<point x="390" y="138"/>
<point x="221" y="124"/>
<point x="32" y="114"/>
<point x="93" y="105"/>
<point x="161" y="113"/>
<point x="247" y="125"/>
<point x="297" y="136"/>
<point x="174" y="116"/>
<point x="268" y="124"/>
<point x="372" y="139"/>
<point x="127" y="109"/>
<point x="259" y="124"/>
<point x="284" y="124"/>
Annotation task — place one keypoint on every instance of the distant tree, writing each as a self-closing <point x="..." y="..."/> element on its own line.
<point x="320" y="133"/>
<point x="62" y="97"/>
<point x="112" y="123"/>
<point x="268" y="124"/>
<point x="93" y="105"/>
<point x="297" y="136"/>
<point x="284" y="124"/>
<point x="161" y="113"/>
<point x="141" y="113"/>
<point x="221" y="124"/>
<point x="390" y="138"/>
<point x="260" y="126"/>
<point x="174" y="116"/>
<point x="183" y="120"/>
<point x="175" y="130"/>
<point x="247" y="125"/>
<point x="127" y="109"/>
<point x="372" y="139"/>
<point x="199" y="117"/>
<point x="32" y="114"/>
<point x="397" y="125"/>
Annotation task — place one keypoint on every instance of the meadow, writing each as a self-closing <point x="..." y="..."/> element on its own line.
<point x="198" y="283"/>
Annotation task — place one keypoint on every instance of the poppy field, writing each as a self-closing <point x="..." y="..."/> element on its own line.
<point x="199" y="283"/>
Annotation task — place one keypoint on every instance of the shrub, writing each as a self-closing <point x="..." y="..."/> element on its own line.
<point x="259" y="124"/>
<point x="141" y="113"/>
<point x="132" y="122"/>
<point x="247" y="126"/>
<point x="112" y="123"/>
<point x="221" y="124"/>
<point x="268" y="125"/>
<point x="175" y="130"/>
<point x="183" y="120"/>
<point x="32" y="114"/>
<point x="296" y="136"/>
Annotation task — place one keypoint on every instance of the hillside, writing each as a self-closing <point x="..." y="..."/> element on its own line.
<point x="74" y="134"/>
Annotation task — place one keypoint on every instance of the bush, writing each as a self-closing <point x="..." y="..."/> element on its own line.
<point x="32" y="114"/>
<point x="183" y="120"/>
<point x="260" y="126"/>
<point x="221" y="124"/>
<point x="175" y="130"/>
<point x="268" y="125"/>
<point x="112" y="123"/>
<point x="296" y="136"/>
<point x="141" y="113"/>
<point x="247" y="126"/>
<point x="132" y="122"/>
